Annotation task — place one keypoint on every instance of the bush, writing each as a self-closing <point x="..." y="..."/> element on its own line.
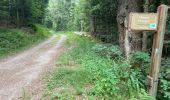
<point x="140" y="62"/>
<point x="110" y="51"/>
<point x="117" y="81"/>
<point x="164" y="83"/>
<point x="138" y="58"/>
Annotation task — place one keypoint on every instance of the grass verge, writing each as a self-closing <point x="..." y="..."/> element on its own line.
<point x="15" y="40"/>
<point x="91" y="70"/>
<point x="70" y="80"/>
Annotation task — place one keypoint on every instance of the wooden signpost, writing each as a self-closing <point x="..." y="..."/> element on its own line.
<point x="143" y="21"/>
<point x="147" y="22"/>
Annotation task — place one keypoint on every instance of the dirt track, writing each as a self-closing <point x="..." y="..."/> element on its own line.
<point x="22" y="70"/>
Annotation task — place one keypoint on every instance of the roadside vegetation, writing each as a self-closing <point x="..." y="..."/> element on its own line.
<point x="14" y="40"/>
<point x="90" y="69"/>
<point x="106" y="21"/>
<point x="21" y="24"/>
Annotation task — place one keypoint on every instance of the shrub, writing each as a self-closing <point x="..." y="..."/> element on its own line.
<point x="164" y="83"/>
<point x="117" y="79"/>
<point x="139" y="58"/>
<point x="110" y="51"/>
<point x="140" y="62"/>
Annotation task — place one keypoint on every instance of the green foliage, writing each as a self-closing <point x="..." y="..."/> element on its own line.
<point x="117" y="78"/>
<point x="59" y="14"/>
<point x="12" y="40"/>
<point x="41" y="31"/>
<point x="140" y="57"/>
<point x="107" y="50"/>
<point x="82" y="15"/>
<point x="109" y="78"/>
<point x="111" y="82"/>
<point x="164" y="86"/>
<point x="21" y="12"/>
<point x="140" y="62"/>
<point x="68" y="15"/>
<point x="65" y="77"/>
<point x="68" y="79"/>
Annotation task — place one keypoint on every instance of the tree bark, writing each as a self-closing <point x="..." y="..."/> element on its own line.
<point x="93" y="25"/>
<point x="145" y="36"/>
<point x="128" y="41"/>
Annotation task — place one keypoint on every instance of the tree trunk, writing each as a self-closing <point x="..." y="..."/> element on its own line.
<point x="18" y="18"/>
<point x="128" y="41"/>
<point x="145" y="36"/>
<point x="93" y="25"/>
<point x="81" y="26"/>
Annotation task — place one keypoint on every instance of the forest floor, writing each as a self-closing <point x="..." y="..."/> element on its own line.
<point x="22" y="72"/>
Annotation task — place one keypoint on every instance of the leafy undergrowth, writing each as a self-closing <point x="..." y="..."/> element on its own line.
<point x="164" y="80"/>
<point x="92" y="70"/>
<point x="14" y="40"/>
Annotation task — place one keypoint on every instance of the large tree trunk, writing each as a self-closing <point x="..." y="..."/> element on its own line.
<point x="128" y="41"/>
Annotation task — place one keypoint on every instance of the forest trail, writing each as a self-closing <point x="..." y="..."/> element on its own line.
<point x="25" y="69"/>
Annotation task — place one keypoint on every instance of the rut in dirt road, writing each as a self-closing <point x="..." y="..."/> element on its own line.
<point x="23" y="69"/>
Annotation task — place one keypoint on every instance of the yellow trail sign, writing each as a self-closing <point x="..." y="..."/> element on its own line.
<point x="143" y="21"/>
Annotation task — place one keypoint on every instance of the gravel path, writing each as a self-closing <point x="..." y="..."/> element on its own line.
<point x="22" y="70"/>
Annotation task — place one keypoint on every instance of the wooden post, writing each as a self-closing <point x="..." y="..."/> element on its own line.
<point x="157" y="51"/>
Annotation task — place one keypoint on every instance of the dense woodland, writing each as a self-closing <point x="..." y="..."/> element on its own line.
<point x="22" y="12"/>
<point x="105" y="20"/>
